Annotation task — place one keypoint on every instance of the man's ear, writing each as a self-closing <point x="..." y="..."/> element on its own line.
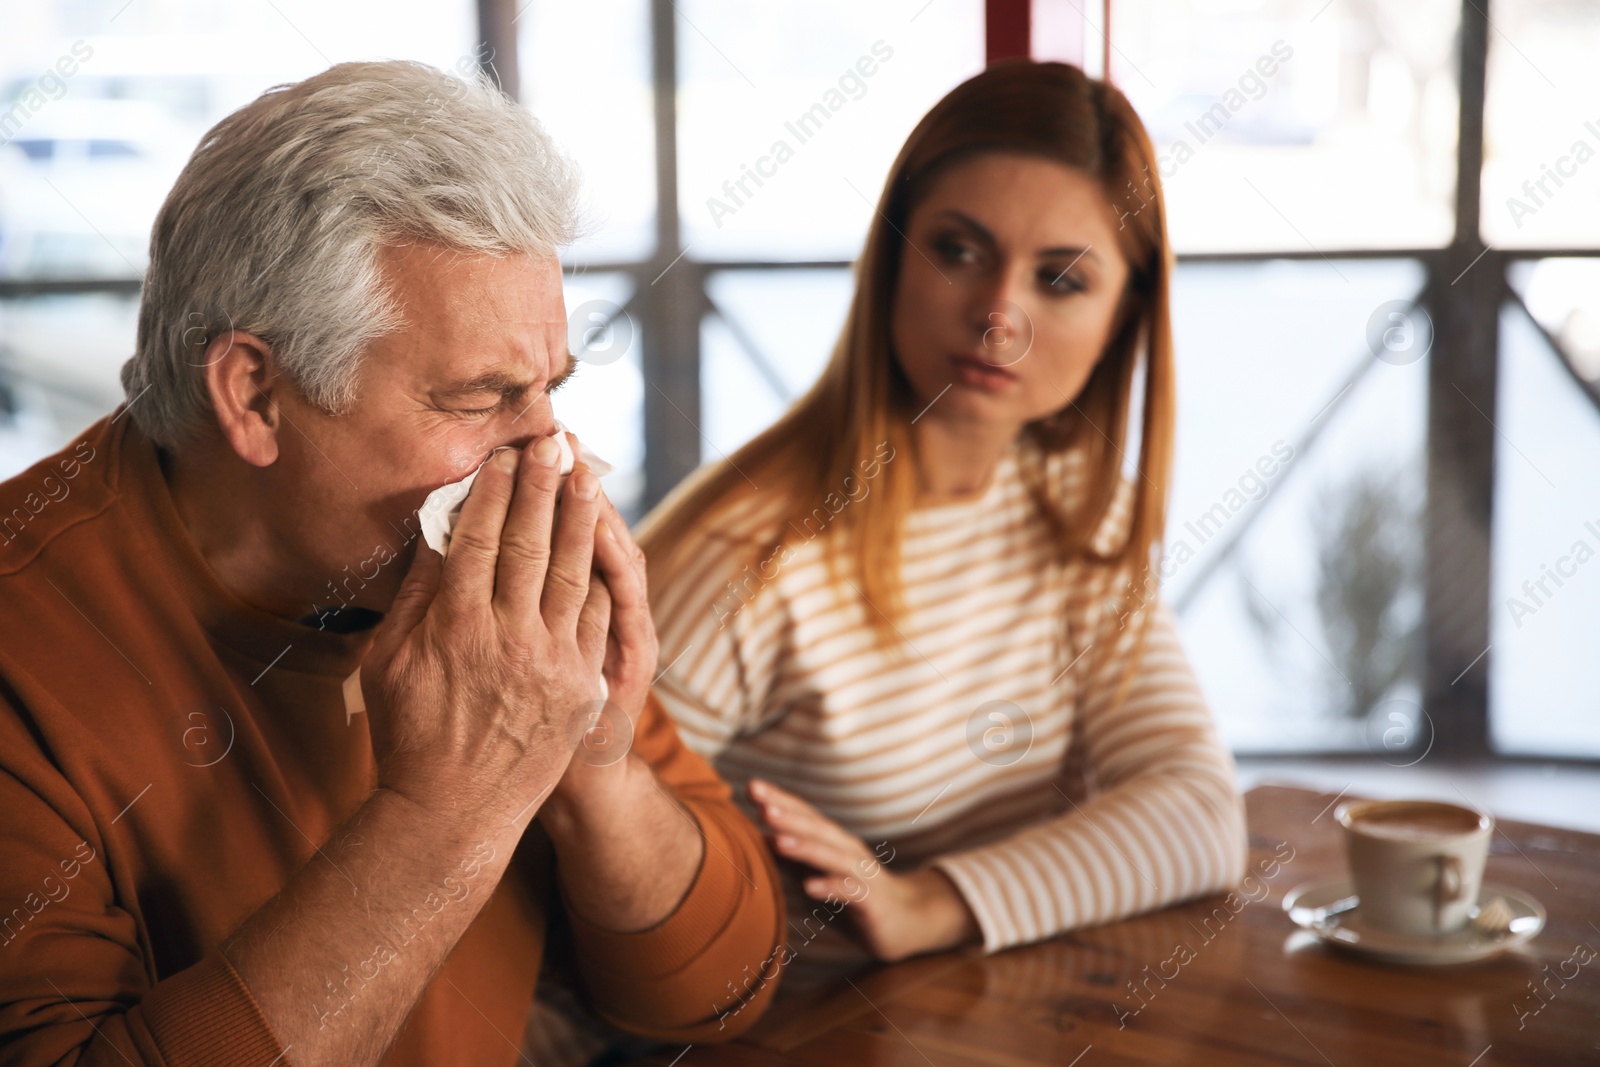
<point x="241" y="376"/>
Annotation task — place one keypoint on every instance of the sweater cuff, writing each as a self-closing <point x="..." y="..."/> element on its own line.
<point x="676" y="977"/>
<point x="674" y="942"/>
<point x="983" y="896"/>
<point x="204" y="1016"/>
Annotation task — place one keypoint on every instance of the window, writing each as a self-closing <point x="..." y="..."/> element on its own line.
<point x="789" y="122"/>
<point x="1433" y="379"/>
<point x="1541" y="178"/>
<point x="603" y="402"/>
<point x="103" y="102"/>
<point x="1297" y="124"/>
<point x="1293" y="543"/>
<point x="768" y="337"/>
<point x="1545" y="610"/>
<point x="585" y="72"/>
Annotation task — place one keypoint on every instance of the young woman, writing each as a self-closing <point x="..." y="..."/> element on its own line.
<point x="917" y="619"/>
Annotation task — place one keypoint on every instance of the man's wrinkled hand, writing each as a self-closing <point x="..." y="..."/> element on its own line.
<point x="479" y="673"/>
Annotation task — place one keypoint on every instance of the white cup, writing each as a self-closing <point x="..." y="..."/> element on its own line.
<point x="1417" y="865"/>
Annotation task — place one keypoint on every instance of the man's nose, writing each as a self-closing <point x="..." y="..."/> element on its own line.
<point x="527" y="428"/>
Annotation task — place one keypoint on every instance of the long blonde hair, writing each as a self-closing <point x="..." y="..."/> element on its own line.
<point x="863" y="402"/>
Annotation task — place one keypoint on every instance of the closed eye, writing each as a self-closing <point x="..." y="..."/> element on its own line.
<point x="505" y="398"/>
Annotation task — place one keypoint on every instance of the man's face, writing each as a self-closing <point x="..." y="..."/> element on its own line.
<point x="484" y="342"/>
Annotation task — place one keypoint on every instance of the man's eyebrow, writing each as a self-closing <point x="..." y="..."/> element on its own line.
<point x="509" y="385"/>
<point x="567" y="372"/>
<point x="492" y="382"/>
<point x="983" y="232"/>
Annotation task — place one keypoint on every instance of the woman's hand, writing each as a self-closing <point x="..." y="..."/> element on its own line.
<point x="895" y="915"/>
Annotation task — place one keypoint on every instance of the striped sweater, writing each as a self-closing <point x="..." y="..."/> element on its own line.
<point x="1018" y="738"/>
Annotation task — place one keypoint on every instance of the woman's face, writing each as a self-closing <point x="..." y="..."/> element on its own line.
<point x="1008" y="292"/>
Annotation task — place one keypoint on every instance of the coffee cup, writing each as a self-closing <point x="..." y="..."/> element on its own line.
<point x="1416" y="865"/>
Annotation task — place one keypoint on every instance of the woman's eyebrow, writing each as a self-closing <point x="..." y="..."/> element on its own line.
<point x="1086" y="252"/>
<point x="969" y="222"/>
<point x="1078" y="252"/>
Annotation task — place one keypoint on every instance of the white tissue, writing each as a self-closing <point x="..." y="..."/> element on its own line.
<point x="438" y="516"/>
<point x="442" y="509"/>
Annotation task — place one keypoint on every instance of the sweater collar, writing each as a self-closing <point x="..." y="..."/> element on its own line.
<point x="262" y="637"/>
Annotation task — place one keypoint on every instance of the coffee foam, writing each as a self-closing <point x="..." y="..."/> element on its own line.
<point x="1419" y="823"/>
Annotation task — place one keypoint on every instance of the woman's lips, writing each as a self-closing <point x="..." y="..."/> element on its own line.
<point x="978" y="374"/>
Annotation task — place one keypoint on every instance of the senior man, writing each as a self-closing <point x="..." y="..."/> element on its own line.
<point x="353" y="298"/>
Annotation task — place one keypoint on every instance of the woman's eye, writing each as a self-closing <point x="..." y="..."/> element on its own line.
<point x="953" y="251"/>
<point x="1061" y="281"/>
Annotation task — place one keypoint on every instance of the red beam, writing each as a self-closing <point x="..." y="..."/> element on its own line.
<point x="1007" y="29"/>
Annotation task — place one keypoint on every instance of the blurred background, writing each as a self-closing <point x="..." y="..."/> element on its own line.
<point x="1387" y="217"/>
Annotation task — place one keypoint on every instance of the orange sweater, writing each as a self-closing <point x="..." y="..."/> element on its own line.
<point x="170" y="756"/>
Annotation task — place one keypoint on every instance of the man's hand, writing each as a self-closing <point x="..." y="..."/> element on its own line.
<point x="628" y="851"/>
<point x="630" y="662"/>
<point x="473" y="685"/>
<point x="631" y="647"/>
<point x="895" y="915"/>
<point x="477" y="675"/>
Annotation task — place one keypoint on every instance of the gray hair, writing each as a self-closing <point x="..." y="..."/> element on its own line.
<point x="276" y="223"/>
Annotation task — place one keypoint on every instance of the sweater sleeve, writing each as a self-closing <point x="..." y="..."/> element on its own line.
<point x="1164" y="823"/>
<point x="708" y="970"/>
<point x="721" y="628"/>
<point x="75" y="978"/>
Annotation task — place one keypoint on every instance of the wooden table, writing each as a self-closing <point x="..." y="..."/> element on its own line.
<point x="1251" y="990"/>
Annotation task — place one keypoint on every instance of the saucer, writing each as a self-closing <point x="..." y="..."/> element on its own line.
<point x="1308" y="908"/>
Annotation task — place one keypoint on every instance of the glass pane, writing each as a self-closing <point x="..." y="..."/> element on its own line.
<point x="600" y="113"/>
<point x="1545" y="610"/>
<point x="792" y="318"/>
<point x="603" y="403"/>
<point x="1299" y="475"/>
<point x="1297" y="124"/>
<point x="1564" y="295"/>
<point x="103" y="101"/>
<point x="59" y="361"/>
<point x="816" y="121"/>
<point x="1541" y="133"/>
